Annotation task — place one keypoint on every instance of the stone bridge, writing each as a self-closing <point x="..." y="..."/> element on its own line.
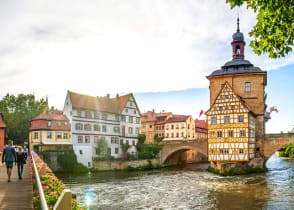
<point x="177" y="152"/>
<point x="275" y="142"/>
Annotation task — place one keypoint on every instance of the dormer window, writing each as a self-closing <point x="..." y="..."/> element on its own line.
<point x="49" y="123"/>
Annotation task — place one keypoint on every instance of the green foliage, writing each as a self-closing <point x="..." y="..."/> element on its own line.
<point x="157" y="138"/>
<point x="273" y="32"/>
<point x="147" y="151"/>
<point x="67" y="160"/>
<point x="124" y="148"/>
<point x="18" y="112"/>
<point x="102" y="150"/>
<point x="287" y="152"/>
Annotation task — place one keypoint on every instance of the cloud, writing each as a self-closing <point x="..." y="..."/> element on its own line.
<point x="110" y="46"/>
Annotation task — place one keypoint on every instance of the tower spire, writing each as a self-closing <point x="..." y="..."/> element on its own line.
<point x="238" y="29"/>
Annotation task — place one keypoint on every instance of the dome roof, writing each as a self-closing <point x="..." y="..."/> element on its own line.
<point x="238" y="36"/>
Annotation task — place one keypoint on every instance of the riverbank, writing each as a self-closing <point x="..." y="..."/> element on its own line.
<point x="117" y="165"/>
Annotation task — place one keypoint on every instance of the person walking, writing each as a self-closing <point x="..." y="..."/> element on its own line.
<point x="9" y="156"/>
<point x="21" y="160"/>
<point x="26" y="152"/>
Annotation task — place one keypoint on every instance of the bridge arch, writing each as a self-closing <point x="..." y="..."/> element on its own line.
<point x="186" y="151"/>
<point x="275" y="142"/>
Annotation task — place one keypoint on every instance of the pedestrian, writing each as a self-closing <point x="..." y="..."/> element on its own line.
<point x="26" y="152"/>
<point x="9" y="156"/>
<point x="20" y="157"/>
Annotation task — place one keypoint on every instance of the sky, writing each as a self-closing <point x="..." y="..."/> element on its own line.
<point x="157" y="49"/>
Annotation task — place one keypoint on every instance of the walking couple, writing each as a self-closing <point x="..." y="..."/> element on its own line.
<point x="10" y="155"/>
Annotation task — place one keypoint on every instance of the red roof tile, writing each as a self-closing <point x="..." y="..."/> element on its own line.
<point x="103" y="104"/>
<point x="201" y="126"/>
<point x="2" y="124"/>
<point x="178" y="118"/>
<point x="59" y="121"/>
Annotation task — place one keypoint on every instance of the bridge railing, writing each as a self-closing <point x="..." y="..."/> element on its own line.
<point x="64" y="201"/>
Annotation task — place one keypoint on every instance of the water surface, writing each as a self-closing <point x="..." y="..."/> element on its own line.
<point x="186" y="187"/>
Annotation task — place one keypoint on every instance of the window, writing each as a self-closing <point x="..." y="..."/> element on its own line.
<point x="220" y="108"/>
<point x="221" y="151"/>
<point x="87" y="139"/>
<point x="59" y="135"/>
<point x="112" y="140"/>
<point x="104" y="116"/>
<point x="172" y="135"/>
<point x="81" y="152"/>
<point x="241" y="151"/>
<point x="131" y="119"/>
<point x="116" y="129"/>
<point x="188" y="126"/>
<point x="104" y="128"/>
<point x="219" y="134"/>
<point x="89" y="164"/>
<point x="49" y="135"/>
<point x="177" y="135"/>
<point x="241" y="119"/>
<point x="87" y="127"/>
<point x="36" y="135"/>
<point x="116" y="116"/>
<point x="79" y="126"/>
<point x="226" y="96"/>
<point x="65" y="123"/>
<point x="58" y="123"/>
<point x="167" y="135"/>
<point x="172" y="126"/>
<point x="137" y="130"/>
<point x="231" y="133"/>
<point x="116" y="151"/>
<point x="247" y="86"/>
<point x="130" y="130"/>
<point x="126" y="110"/>
<point x="95" y="139"/>
<point x="89" y="115"/>
<point x="134" y="143"/>
<point x="49" y="123"/>
<point x="213" y="120"/>
<point x="232" y="107"/>
<point x="150" y="126"/>
<point x="65" y="135"/>
<point x="135" y="112"/>
<point x="238" y="51"/>
<point x="96" y="115"/>
<point x="226" y="151"/>
<point x="182" y="125"/>
<point x="242" y="133"/>
<point x="116" y="139"/>
<point x="138" y="120"/>
<point x="79" y="113"/>
<point x="121" y="141"/>
<point x="166" y="127"/>
<point x="123" y="118"/>
<point x="96" y="127"/>
<point x="127" y="141"/>
<point x="227" y="119"/>
<point x="211" y="151"/>
<point x="182" y="134"/>
<point x="177" y="126"/>
<point x="80" y="139"/>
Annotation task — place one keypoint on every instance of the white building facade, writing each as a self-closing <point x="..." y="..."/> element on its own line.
<point x="117" y="120"/>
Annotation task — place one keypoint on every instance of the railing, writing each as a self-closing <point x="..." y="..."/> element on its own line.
<point x="64" y="201"/>
<point x="40" y="189"/>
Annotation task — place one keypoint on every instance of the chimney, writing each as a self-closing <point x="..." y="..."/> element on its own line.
<point x="117" y="96"/>
<point x="153" y="110"/>
<point x="163" y="110"/>
<point x="107" y="95"/>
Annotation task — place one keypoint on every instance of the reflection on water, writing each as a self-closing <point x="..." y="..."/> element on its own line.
<point x="188" y="187"/>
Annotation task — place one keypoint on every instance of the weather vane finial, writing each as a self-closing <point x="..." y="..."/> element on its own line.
<point x="238" y="30"/>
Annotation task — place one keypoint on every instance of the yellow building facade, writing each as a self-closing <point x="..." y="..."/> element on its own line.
<point x="180" y="127"/>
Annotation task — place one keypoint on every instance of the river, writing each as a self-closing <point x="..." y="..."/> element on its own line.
<point x="186" y="187"/>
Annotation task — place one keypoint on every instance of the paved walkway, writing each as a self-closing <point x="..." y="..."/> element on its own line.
<point x="17" y="194"/>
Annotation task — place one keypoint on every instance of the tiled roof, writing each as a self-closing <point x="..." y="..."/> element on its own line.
<point x="2" y="124"/>
<point x="178" y="118"/>
<point x="59" y="121"/>
<point x="201" y="126"/>
<point x="151" y="116"/>
<point x="103" y="104"/>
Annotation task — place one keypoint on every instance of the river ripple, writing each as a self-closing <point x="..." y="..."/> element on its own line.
<point x="188" y="187"/>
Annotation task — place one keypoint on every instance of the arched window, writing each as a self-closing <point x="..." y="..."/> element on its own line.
<point x="238" y="50"/>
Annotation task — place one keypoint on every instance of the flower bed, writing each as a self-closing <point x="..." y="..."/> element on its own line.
<point x="51" y="185"/>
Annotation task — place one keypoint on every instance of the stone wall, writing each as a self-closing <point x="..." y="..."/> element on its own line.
<point x="120" y="165"/>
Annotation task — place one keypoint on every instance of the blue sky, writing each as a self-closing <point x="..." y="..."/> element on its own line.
<point x="280" y="90"/>
<point x="161" y="50"/>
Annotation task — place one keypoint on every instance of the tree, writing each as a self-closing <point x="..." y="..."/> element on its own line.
<point x="157" y="138"/>
<point x="102" y="149"/>
<point x="18" y="111"/>
<point x="274" y="30"/>
<point x="124" y="149"/>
